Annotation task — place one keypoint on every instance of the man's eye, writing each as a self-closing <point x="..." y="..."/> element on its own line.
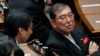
<point x="70" y="15"/>
<point x="62" y="17"/>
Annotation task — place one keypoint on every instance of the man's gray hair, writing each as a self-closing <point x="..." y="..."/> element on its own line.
<point x="56" y="7"/>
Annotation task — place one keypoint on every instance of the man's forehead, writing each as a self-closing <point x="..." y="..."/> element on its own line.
<point x="66" y="10"/>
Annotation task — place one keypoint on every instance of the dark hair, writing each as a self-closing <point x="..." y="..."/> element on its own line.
<point x="16" y="18"/>
<point x="6" y="47"/>
<point x="56" y="7"/>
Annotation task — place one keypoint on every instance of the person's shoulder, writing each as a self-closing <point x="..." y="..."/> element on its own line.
<point x="78" y="29"/>
<point x="54" y="39"/>
<point x="53" y="35"/>
<point x="4" y="37"/>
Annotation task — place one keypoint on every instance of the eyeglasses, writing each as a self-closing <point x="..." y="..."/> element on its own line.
<point x="69" y="15"/>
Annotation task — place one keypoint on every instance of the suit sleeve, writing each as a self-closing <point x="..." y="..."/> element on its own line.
<point x="60" y="52"/>
<point x="58" y="49"/>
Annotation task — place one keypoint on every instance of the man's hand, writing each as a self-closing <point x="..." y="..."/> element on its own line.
<point x="93" y="47"/>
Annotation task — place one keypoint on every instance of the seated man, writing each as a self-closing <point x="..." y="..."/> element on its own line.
<point x="18" y="26"/>
<point x="65" y="39"/>
<point x="41" y="26"/>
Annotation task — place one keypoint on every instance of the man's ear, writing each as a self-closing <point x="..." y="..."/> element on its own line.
<point x="52" y="22"/>
<point x="20" y="29"/>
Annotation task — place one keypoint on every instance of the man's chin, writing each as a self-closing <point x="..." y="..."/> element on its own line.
<point x="70" y="30"/>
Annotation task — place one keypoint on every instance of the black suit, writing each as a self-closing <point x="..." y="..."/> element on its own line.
<point x="97" y="53"/>
<point x="41" y="25"/>
<point x="17" y="50"/>
<point x="62" y="46"/>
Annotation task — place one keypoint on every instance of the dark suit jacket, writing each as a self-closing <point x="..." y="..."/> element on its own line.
<point x="62" y="46"/>
<point x="96" y="53"/>
<point x="17" y="50"/>
<point x="41" y="27"/>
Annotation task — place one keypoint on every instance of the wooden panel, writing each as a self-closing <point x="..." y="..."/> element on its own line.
<point x="2" y="10"/>
<point x="90" y="6"/>
<point x="89" y="11"/>
<point x="1" y="18"/>
<point x="1" y="22"/>
<point x="94" y="20"/>
<point x="29" y="51"/>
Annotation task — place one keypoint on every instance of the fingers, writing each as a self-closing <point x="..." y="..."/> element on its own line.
<point x="97" y="47"/>
<point x="93" y="47"/>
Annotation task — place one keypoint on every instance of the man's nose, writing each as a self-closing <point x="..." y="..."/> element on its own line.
<point x="68" y="19"/>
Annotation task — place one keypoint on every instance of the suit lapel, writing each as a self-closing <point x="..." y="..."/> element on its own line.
<point x="73" y="47"/>
<point x="78" y="40"/>
<point x="66" y="42"/>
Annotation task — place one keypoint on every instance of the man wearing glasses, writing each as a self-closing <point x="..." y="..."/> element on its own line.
<point x="65" y="39"/>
